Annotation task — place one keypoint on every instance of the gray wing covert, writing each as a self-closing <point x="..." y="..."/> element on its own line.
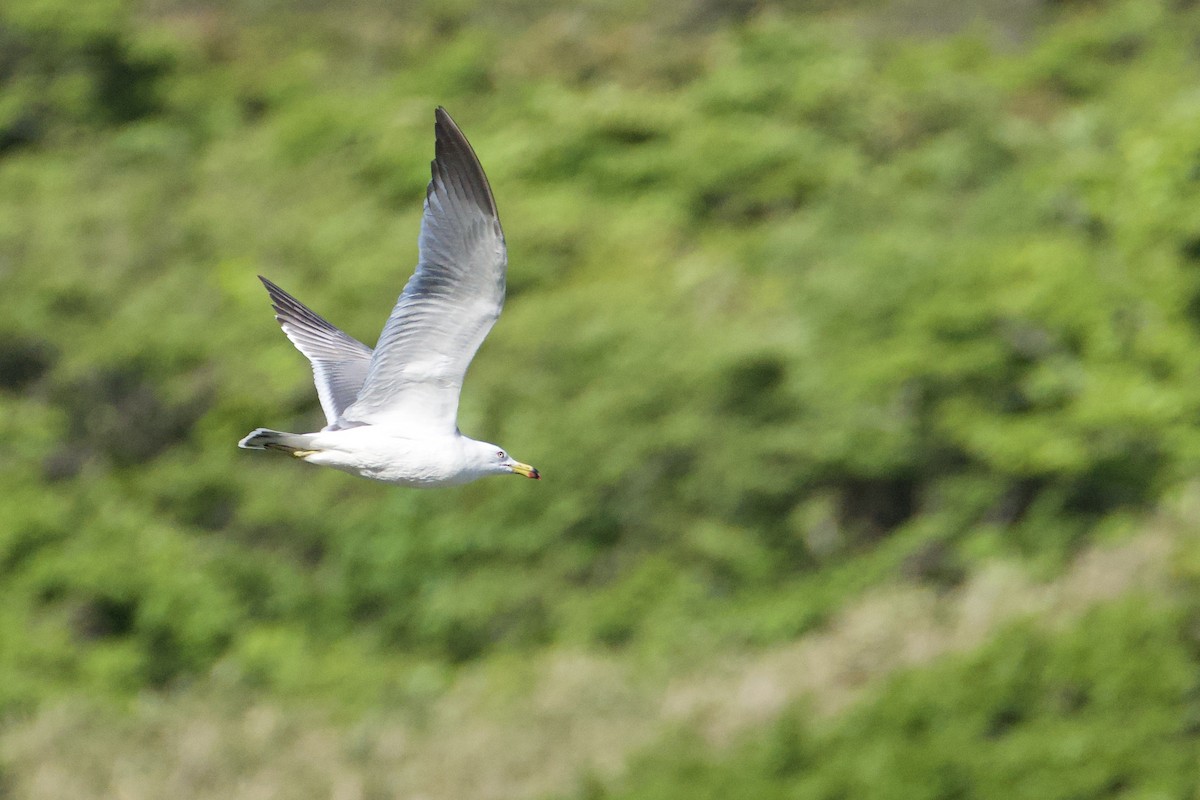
<point x="339" y="361"/>
<point x="448" y="306"/>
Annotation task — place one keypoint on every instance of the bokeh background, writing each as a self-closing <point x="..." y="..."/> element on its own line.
<point x="858" y="344"/>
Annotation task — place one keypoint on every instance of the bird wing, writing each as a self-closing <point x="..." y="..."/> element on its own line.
<point x="449" y="304"/>
<point x="339" y="361"/>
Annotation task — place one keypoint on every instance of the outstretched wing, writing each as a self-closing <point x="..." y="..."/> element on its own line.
<point x="339" y="361"/>
<point x="449" y="304"/>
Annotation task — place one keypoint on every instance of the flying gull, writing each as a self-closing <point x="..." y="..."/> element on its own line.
<point x="392" y="412"/>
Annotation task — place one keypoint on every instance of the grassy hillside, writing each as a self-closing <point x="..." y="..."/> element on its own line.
<point x="805" y="315"/>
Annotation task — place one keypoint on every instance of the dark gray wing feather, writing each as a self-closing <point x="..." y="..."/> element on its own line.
<point x="339" y="361"/>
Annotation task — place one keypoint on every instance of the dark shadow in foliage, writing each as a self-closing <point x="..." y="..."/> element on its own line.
<point x="307" y="545"/>
<point x="1193" y="308"/>
<point x="525" y="623"/>
<point x="1189" y="248"/>
<point x="710" y="14"/>
<point x="584" y="154"/>
<point x="21" y="546"/>
<point x="629" y="503"/>
<point x="1002" y="720"/>
<point x="871" y="507"/>
<point x="25" y="130"/>
<point x="788" y="750"/>
<point x="600" y="527"/>
<point x="165" y="656"/>
<point x="254" y="107"/>
<point x="103" y="617"/>
<point x="119" y="413"/>
<point x="209" y="506"/>
<point x="252" y="585"/>
<point x="123" y="85"/>
<point x="76" y="303"/>
<point x="24" y="127"/>
<point x="625" y="134"/>
<point x="731" y="207"/>
<point x="754" y="389"/>
<point x="1015" y="501"/>
<point x="1127" y="477"/>
<point x="1189" y="251"/>
<point x="126" y="86"/>
<point x="767" y="511"/>
<point x="463" y="639"/>
<point x="23" y="361"/>
<point x="63" y="464"/>
<point x="935" y="563"/>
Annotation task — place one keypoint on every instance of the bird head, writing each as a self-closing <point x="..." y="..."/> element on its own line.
<point x="497" y="461"/>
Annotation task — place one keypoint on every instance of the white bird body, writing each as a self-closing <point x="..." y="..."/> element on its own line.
<point x="376" y="452"/>
<point x="392" y="411"/>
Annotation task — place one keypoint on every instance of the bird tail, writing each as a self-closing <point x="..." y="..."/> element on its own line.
<point x="298" y="444"/>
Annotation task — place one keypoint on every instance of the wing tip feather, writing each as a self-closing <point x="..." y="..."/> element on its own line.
<point x="455" y="161"/>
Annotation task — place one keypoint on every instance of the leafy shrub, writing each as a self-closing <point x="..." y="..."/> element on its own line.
<point x="1108" y="708"/>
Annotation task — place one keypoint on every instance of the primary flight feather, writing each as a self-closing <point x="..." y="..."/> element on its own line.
<point x="392" y="412"/>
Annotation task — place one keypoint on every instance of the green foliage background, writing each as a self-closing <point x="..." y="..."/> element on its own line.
<point x="799" y="307"/>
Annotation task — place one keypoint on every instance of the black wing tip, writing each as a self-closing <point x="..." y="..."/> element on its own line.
<point x="292" y="315"/>
<point x="287" y="308"/>
<point x="279" y="298"/>
<point x="453" y="154"/>
<point x="275" y="291"/>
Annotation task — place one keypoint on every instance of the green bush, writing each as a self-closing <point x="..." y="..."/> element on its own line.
<point x="1108" y="708"/>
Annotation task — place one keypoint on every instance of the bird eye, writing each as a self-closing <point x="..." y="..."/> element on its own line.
<point x="500" y="454"/>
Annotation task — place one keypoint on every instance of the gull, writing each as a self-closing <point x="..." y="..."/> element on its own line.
<point x="392" y="412"/>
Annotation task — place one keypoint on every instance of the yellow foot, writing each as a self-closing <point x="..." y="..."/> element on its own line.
<point x="303" y="453"/>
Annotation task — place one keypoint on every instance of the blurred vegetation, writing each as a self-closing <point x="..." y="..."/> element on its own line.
<point x="796" y="309"/>
<point x="1110" y="709"/>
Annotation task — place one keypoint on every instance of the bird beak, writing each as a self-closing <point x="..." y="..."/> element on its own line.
<point x="526" y="470"/>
